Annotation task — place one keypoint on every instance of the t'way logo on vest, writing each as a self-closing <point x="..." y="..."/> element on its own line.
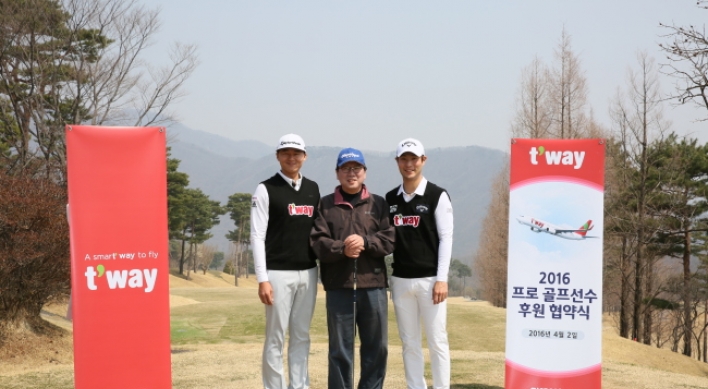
<point x="570" y="158"/>
<point x="400" y="220"/>
<point x="295" y="210"/>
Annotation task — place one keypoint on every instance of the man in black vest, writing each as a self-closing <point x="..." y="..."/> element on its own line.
<point x="352" y="232"/>
<point x="282" y="215"/>
<point x="422" y="215"/>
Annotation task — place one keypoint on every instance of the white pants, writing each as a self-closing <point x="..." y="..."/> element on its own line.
<point x="294" y="294"/>
<point x="413" y="301"/>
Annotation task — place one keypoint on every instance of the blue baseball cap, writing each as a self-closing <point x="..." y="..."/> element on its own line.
<point x="350" y="155"/>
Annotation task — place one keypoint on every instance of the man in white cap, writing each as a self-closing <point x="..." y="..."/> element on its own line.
<point x="282" y="215"/>
<point x="421" y="213"/>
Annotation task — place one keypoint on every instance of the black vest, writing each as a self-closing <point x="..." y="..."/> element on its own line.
<point x="291" y="214"/>
<point x="417" y="240"/>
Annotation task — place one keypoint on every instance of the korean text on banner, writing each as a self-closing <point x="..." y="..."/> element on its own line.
<point x="119" y="257"/>
<point x="554" y="290"/>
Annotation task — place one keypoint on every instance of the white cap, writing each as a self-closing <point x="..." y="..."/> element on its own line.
<point x="291" y="141"/>
<point x="410" y="145"/>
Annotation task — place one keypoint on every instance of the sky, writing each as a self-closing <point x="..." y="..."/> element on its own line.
<point x="368" y="74"/>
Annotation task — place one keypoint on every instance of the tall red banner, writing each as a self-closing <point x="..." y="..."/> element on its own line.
<point x="119" y="257"/>
<point x="554" y="289"/>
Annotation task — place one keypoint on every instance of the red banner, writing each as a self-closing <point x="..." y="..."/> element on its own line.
<point x="579" y="161"/>
<point x="554" y="288"/>
<point x="119" y="257"/>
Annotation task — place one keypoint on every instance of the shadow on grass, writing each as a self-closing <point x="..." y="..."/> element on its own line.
<point x="474" y="386"/>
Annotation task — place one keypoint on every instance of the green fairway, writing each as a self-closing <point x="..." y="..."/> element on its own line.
<point x="227" y="315"/>
<point x="217" y="338"/>
<point x="236" y="315"/>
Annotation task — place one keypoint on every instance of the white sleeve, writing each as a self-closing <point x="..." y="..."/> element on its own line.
<point x="259" y="227"/>
<point x="443" y="219"/>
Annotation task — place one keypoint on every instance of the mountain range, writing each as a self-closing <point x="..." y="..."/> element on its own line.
<point x="221" y="167"/>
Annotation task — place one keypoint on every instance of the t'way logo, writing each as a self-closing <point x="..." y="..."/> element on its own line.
<point x="119" y="279"/>
<point x="537" y="222"/>
<point x="306" y="210"/>
<point x="400" y="220"/>
<point x="570" y="158"/>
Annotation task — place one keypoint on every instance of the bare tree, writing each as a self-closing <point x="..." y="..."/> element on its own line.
<point x="568" y="93"/>
<point x="533" y="116"/>
<point x="34" y="252"/>
<point x="205" y="255"/>
<point x="79" y="61"/>
<point x="551" y="103"/>
<point x="687" y="56"/>
<point x="119" y="80"/>
<point x="490" y="261"/>
<point x="637" y="118"/>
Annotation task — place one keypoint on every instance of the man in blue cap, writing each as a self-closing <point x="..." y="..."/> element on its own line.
<point x="351" y="236"/>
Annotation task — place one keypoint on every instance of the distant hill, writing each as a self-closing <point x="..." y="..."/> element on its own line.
<point x="466" y="172"/>
<point x="217" y="144"/>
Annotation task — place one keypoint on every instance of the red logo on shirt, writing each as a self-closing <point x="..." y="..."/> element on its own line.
<point x="400" y="220"/>
<point x="295" y="210"/>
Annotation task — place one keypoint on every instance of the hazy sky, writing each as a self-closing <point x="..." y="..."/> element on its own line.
<point x="367" y="74"/>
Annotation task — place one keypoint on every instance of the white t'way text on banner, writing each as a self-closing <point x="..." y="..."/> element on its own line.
<point x="102" y="276"/>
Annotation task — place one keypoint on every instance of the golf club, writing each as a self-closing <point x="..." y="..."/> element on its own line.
<point x="354" y="337"/>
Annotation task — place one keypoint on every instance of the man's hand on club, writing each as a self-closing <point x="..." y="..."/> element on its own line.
<point x="353" y="246"/>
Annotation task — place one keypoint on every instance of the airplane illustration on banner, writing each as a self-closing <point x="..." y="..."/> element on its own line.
<point x="538" y="225"/>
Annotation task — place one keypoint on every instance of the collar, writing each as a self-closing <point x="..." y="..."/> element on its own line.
<point x="420" y="190"/>
<point x="339" y="199"/>
<point x="290" y="181"/>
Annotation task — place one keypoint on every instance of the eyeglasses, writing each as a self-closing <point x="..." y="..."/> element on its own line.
<point x="355" y="169"/>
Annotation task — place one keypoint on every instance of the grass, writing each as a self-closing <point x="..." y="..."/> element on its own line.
<point x="217" y="335"/>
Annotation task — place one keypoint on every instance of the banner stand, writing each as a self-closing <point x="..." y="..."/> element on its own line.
<point x="117" y="185"/>
<point x="554" y="289"/>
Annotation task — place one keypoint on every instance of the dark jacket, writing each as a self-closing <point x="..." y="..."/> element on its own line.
<point x="336" y="220"/>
